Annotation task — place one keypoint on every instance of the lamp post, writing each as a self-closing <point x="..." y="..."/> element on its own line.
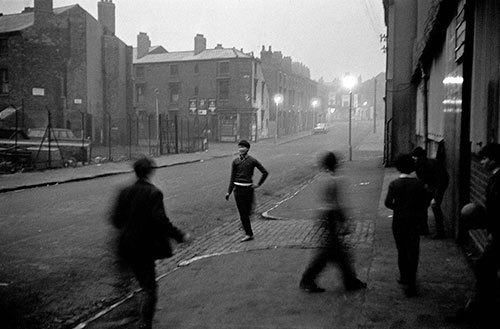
<point x="278" y="98"/>
<point x="349" y="82"/>
<point x="157" y="119"/>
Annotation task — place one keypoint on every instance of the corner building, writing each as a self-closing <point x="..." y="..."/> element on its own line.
<point x="220" y="89"/>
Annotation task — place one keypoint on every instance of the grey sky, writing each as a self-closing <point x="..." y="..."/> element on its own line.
<point x="331" y="37"/>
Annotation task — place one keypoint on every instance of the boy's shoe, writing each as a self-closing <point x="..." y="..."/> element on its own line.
<point x="247" y="238"/>
<point x="411" y="291"/>
<point x="311" y="288"/>
<point x="356" y="284"/>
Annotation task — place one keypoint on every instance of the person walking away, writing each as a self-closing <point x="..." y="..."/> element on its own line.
<point x="408" y="199"/>
<point x="143" y="233"/>
<point x="435" y="177"/>
<point x="484" y="306"/>
<point x="333" y="221"/>
<point x="242" y="170"/>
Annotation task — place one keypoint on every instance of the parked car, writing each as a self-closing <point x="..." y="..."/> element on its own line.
<point x="320" y="128"/>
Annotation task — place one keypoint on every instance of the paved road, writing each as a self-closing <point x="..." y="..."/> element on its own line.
<point x="55" y="255"/>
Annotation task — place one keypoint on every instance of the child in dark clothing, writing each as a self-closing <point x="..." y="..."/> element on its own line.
<point x="408" y="198"/>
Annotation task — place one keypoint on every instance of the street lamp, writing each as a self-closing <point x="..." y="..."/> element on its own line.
<point x="349" y="82"/>
<point x="278" y="99"/>
<point x="314" y="103"/>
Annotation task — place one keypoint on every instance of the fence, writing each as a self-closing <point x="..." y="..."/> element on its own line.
<point x="154" y="136"/>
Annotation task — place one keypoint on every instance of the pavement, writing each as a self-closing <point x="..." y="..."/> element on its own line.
<point x="218" y="282"/>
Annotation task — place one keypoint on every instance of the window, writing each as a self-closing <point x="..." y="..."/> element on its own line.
<point x="4" y="81"/>
<point x="139" y="71"/>
<point x="222" y="68"/>
<point x="139" y="93"/>
<point x="174" y="88"/>
<point x="196" y="89"/>
<point x="223" y="89"/>
<point x="255" y="86"/>
<point x="196" y="68"/>
<point x="4" y="47"/>
<point x="174" y="70"/>
<point x="262" y="94"/>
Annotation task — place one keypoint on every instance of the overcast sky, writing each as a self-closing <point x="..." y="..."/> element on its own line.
<point x="331" y="37"/>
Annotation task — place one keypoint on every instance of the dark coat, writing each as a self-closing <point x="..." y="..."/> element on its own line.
<point x="493" y="206"/>
<point x="144" y="228"/>
<point x="435" y="177"/>
<point x="407" y="197"/>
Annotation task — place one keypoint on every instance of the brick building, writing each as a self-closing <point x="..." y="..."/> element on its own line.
<point x="223" y="88"/>
<point x="65" y="61"/>
<point x="442" y="89"/>
<point x="292" y="80"/>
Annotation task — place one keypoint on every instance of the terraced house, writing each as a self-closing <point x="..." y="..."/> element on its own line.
<point x="219" y="93"/>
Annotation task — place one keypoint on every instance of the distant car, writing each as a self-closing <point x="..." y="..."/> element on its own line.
<point x="320" y="128"/>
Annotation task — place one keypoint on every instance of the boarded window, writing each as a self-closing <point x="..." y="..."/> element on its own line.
<point x="223" y="89"/>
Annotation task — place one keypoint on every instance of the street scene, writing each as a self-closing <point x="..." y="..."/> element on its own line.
<point x="249" y="164"/>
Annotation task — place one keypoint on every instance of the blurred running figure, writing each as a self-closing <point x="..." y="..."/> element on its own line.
<point x="143" y="234"/>
<point x="242" y="170"/>
<point x="333" y="221"/>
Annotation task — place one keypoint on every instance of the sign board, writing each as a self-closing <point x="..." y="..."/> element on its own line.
<point x="78" y="101"/>
<point x="202" y="112"/>
<point x="192" y="105"/>
<point x="38" y="92"/>
<point x="211" y="105"/>
<point x="202" y="102"/>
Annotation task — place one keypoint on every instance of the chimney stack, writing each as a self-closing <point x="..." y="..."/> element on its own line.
<point x="143" y="44"/>
<point x="43" y="9"/>
<point x="200" y="44"/>
<point x="106" y="14"/>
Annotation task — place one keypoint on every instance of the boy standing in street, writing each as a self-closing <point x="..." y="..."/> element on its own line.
<point x="408" y="199"/>
<point x="241" y="182"/>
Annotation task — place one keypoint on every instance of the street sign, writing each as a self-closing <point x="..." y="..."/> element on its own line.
<point x="202" y="112"/>
<point x="38" y="92"/>
<point x="192" y="105"/>
<point x="78" y="101"/>
<point x="211" y="105"/>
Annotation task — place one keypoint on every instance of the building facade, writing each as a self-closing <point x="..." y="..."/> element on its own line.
<point x="222" y="88"/>
<point x="442" y="88"/>
<point x="291" y="80"/>
<point x="64" y="61"/>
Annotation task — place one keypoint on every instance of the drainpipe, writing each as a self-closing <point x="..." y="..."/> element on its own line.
<point x="425" y="92"/>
